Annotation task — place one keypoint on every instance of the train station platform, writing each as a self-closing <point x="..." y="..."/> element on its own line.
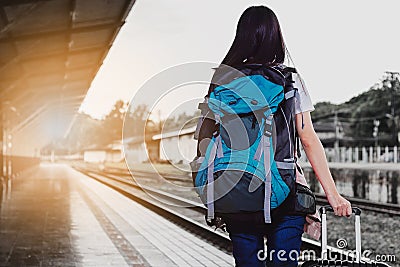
<point x="53" y="215"/>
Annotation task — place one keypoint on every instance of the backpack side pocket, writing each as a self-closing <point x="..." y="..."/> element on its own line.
<point x="199" y="174"/>
<point x="304" y="202"/>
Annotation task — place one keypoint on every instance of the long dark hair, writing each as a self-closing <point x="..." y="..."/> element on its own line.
<point x="258" y="40"/>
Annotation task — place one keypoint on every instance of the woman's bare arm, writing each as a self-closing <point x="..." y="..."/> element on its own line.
<point x="316" y="155"/>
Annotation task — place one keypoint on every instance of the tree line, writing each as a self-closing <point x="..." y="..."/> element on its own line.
<point x="88" y="132"/>
<point x="356" y="118"/>
<point x="375" y="110"/>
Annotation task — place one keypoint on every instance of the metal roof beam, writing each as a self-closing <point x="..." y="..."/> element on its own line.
<point x="34" y="5"/>
<point x="15" y="84"/>
<point x="37" y="113"/>
<point x="39" y="35"/>
<point x="70" y="53"/>
<point x="19" y="2"/>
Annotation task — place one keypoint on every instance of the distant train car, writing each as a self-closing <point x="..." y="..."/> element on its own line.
<point x="177" y="146"/>
<point x="110" y="153"/>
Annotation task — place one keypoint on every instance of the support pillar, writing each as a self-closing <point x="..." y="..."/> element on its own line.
<point x="1" y="146"/>
<point x="364" y="154"/>
<point x="356" y="156"/>
<point x="371" y="154"/>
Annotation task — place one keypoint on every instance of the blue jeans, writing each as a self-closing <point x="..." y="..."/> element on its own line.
<point x="283" y="243"/>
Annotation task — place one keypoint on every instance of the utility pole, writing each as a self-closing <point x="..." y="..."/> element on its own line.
<point x="336" y="144"/>
<point x="393" y="79"/>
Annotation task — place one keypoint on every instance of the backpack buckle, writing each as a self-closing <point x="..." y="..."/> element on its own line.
<point x="268" y="130"/>
<point x="217" y="222"/>
<point x="215" y="133"/>
<point x="268" y="125"/>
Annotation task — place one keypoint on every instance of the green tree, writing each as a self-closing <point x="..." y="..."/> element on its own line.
<point x="85" y="132"/>
<point x="357" y="115"/>
<point x="180" y="121"/>
<point x="135" y="121"/>
<point x="112" y="124"/>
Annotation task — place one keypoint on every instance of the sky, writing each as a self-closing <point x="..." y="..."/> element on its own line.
<point x="341" y="48"/>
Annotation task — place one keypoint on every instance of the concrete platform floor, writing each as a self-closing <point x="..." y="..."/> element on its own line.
<point x="53" y="215"/>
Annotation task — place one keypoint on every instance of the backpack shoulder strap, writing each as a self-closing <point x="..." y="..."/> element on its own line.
<point x="289" y="71"/>
<point x="205" y="112"/>
<point x="290" y="90"/>
<point x="206" y="121"/>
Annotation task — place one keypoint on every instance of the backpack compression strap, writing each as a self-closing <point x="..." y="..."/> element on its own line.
<point x="216" y="151"/>
<point x="265" y="147"/>
<point x="267" y="167"/>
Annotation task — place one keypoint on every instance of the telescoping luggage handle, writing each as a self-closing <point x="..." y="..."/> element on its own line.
<point x="324" y="237"/>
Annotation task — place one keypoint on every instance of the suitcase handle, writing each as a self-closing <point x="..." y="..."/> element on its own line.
<point x="324" y="238"/>
<point x="324" y="209"/>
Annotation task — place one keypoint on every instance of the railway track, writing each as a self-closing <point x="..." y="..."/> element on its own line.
<point x="190" y="217"/>
<point x="187" y="220"/>
<point x="367" y="205"/>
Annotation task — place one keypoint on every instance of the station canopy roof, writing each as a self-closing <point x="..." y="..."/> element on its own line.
<point x="50" y="52"/>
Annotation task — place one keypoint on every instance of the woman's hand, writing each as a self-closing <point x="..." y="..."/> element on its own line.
<point x="340" y="205"/>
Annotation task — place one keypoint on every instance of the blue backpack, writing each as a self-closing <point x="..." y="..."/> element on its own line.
<point x="246" y="141"/>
